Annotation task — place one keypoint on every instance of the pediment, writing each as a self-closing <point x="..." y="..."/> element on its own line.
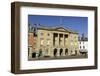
<point x="61" y="29"/>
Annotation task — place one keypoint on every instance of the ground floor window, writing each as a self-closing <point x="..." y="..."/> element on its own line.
<point x="40" y="53"/>
<point x="33" y="55"/>
<point x="75" y="52"/>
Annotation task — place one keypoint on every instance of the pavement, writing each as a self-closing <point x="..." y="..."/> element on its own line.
<point x="60" y="57"/>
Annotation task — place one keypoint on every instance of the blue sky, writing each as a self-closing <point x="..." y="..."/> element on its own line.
<point x="79" y="24"/>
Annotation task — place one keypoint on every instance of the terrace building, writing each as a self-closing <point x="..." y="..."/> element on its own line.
<point x="83" y="44"/>
<point x="31" y="42"/>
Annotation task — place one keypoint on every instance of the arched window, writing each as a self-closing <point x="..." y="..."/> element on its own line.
<point x="55" y="52"/>
<point x="66" y="51"/>
<point x="75" y="52"/>
<point x="80" y="47"/>
<point x="61" y="51"/>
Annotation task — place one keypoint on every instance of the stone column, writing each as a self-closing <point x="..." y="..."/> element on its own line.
<point x="58" y="52"/>
<point x="63" y="51"/>
<point x="58" y="40"/>
<point x="51" y="52"/>
<point x="69" y="51"/>
<point x="30" y="52"/>
<point x="63" y="40"/>
<point x="53" y="40"/>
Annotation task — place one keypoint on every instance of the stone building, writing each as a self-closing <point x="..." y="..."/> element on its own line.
<point x="56" y="42"/>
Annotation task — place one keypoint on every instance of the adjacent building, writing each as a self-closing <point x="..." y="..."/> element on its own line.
<point x="32" y="42"/>
<point x="83" y="45"/>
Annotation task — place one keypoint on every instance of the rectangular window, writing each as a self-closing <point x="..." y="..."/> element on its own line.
<point x="83" y="47"/>
<point x="48" y="34"/>
<point x="41" y="42"/>
<point x="66" y="36"/>
<point x="48" y="42"/>
<point x="76" y="43"/>
<point x="46" y="51"/>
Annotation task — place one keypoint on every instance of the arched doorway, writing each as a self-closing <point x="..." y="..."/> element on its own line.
<point x="61" y="51"/>
<point x="55" y="52"/>
<point x="66" y="51"/>
<point x="75" y="52"/>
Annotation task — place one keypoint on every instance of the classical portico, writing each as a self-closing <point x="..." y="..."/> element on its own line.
<point x="60" y="39"/>
<point x="60" y="44"/>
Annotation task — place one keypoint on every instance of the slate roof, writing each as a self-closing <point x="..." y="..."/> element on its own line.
<point x="57" y="28"/>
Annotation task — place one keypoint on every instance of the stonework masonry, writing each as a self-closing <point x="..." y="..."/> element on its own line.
<point x="53" y="42"/>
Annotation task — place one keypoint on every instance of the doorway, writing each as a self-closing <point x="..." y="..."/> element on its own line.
<point x="55" y="52"/>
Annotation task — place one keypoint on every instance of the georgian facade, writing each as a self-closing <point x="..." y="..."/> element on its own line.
<point x="56" y="42"/>
<point x="31" y="43"/>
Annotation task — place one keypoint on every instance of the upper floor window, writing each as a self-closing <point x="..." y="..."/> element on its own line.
<point x="71" y="43"/>
<point x="42" y="42"/>
<point x="28" y="35"/>
<point x="66" y="36"/>
<point x="48" y="34"/>
<point x="83" y="47"/>
<point x="80" y="47"/>
<point x="41" y="33"/>
<point x="75" y="43"/>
